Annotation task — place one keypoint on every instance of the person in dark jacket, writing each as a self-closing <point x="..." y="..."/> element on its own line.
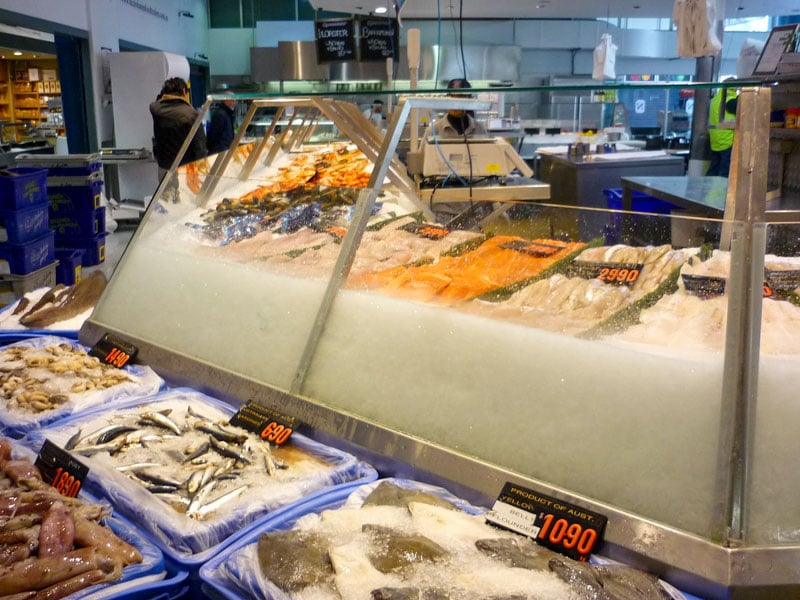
<point x="220" y="126"/>
<point x="173" y="117"/>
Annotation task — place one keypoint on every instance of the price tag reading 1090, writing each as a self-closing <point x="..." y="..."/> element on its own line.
<point x="61" y="470"/>
<point x="560" y="526"/>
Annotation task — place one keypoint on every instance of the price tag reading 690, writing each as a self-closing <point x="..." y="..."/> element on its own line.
<point x="269" y="424"/>
<point x="558" y="525"/>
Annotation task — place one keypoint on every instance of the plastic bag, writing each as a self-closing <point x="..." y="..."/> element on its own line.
<point x="696" y="22"/>
<point x="605" y="57"/>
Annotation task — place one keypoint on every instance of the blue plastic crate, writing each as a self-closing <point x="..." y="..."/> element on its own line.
<point x="93" y="248"/>
<point x="66" y="165"/>
<point x="70" y="264"/>
<point x="24" y="224"/>
<point x="25" y="258"/>
<point x="639" y="229"/>
<point x="83" y="223"/>
<point x="26" y="188"/>
<point x="71" y="194"/>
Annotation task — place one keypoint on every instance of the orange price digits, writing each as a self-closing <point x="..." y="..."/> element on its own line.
<point x="117" y="358"/>
<point x="276" y="433"/>
<point x="561" y="532"/>
<point x="66" y="484"/>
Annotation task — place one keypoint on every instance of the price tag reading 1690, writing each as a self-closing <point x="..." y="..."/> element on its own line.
<point x="61" y="470"/>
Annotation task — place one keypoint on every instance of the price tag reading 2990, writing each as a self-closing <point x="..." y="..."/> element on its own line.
<point x="560" y="526"/>
<point x="612" y="273"/>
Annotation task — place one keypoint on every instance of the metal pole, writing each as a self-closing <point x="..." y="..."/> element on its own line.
<point x="699" y="154"/>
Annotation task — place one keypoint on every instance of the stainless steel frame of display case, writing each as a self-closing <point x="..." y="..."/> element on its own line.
<point x="723" y="568"/>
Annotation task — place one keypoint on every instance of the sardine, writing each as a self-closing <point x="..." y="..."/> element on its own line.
<point x="137" y="466"/>
<point x="160" y="489"/>
<point x="198" y="452"/>
<point x="220" y="434"/>
<point x="200" y="497"/>
<point x="215" y="504"/>
<point x="225" y="449"/>
<point x="114" y="433"/>
<point x="73" y="440"/>
<point x="193" y="483"/>
<point x="160" y="419"/>
<point x="156" y="479"/>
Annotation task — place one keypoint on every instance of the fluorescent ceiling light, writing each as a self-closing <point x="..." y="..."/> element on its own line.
<point x="381" y="10"/>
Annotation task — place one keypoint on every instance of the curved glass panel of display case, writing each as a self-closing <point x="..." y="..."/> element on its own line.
<point x="578" y="337"/>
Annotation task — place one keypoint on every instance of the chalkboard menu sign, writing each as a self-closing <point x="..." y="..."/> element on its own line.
<point x="336" y="40"/>
<point x="379" y="39"/>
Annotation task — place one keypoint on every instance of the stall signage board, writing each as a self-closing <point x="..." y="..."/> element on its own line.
<point x="336" y="40"/>
<point x="60" y="469"/>
<point x="563" y="527"/>
<point x="269" y="424"/>
<point x="379" y="39"/>
<point x="114" y="351"/>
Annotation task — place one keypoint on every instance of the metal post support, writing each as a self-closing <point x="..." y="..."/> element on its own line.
<point x="699" y="151"/>
<point x="746" y="237"/>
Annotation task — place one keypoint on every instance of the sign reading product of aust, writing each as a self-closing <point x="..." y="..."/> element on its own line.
<point x="335" y="40"/>
<point x="558" y="525"/>
<point x="379" y="39"/>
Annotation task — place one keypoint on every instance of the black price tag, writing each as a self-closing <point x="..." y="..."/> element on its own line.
<point x="704" y="286"/>
<point x="565" y="528"/>
<point x="336" y="40"/>
<point x="613" y="273"/>
<point x="780" y="283"/>
<point x="537" y="249"/>
<point x="426" y="230"/>
<point x="269" y="424"/>
<point x="60" y="469"/>
<point x="113" y="351"/>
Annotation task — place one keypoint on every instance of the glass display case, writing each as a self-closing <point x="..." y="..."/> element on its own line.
<point x="633" y="368"/>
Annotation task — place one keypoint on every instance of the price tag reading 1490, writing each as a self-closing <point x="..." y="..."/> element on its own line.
<point x="61" y="470"/>
<point x="558" y="525"/>
<point x="113" y="351"/>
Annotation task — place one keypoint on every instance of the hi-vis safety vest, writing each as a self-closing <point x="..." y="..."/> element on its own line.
<point x="721" y="139"/>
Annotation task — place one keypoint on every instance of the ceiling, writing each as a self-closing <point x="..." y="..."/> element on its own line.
<point x="551" y="9"/>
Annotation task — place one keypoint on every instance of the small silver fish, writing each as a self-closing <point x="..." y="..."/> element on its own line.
<point x="197" y="452"/>
<point x="200" y="497"/>
<point x="160" y="419"/>
<point x="157" y="479"/>
<point x="227" y="450"/>
<point x="137" y="466"/>
<point x="215" y="504"/>
<point x="73" y="440"/>
<point x="193" y="483"/>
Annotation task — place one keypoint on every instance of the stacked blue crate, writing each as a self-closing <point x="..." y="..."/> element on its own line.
<point x="27" y="256"/>
<point x="74" y="189"/>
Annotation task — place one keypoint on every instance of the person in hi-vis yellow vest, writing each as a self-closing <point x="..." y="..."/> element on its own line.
<point x="721" y="139"/>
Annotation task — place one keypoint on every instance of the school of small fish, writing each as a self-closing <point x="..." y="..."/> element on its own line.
<point x="190" y="459"/>
<point x="51" y="545"/>
<point x="39" y="379"/>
